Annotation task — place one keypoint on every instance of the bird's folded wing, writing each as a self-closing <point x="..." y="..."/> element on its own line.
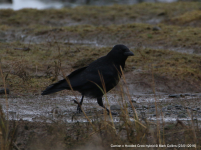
<point x="100" y="78"/>
<point x="90" y="78"/>
<point x="76" y="78"/>
<point x="62" y="84"/>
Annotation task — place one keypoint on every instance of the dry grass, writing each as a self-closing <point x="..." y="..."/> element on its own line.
<point x="32" y="71"/>
<point x="101" y="131"/>
<point x="48" y="46"/>
<point x="7" y="132"/>
<point x="117" y="14"/>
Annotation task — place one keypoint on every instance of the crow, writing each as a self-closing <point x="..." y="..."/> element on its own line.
<point x="95" y="79"/>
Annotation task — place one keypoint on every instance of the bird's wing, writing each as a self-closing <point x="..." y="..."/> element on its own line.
<point x="77" y="78"/>
<point x="74" y="78"/>
<point x="109" y="75"/>
<point x="76" y="72"/>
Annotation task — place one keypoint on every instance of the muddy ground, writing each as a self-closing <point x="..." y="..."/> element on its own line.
<point x="163" y="78"/>
<point x="51" y="122"/>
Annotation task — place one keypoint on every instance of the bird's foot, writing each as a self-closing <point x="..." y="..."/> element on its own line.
<point x="113" y="113"/>
<point x="75" y="101"/>
<point x="79" y="110"/>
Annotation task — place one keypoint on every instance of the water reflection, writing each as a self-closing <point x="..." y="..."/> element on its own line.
<point x="37" y="4"/>
<point x="45" y="4"/>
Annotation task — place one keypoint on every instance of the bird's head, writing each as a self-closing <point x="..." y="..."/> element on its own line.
<point x="120" y="53"/>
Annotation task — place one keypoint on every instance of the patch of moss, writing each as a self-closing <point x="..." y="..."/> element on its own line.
<point x="187" y="17"/>
<point x="61" y="33"/>
<point x="39" y="63"/>
<point x="169" y="63"/>
<point x="104" y="15"/>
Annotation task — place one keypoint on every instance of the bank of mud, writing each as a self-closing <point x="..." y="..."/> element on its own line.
<point x="43" y="121"/>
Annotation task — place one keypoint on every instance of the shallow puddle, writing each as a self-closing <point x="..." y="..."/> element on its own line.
<point x="45" y="4"/>
<point x="51" y="108"/>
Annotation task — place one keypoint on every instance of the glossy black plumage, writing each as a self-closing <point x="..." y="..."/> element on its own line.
<point x="86" y="79"/>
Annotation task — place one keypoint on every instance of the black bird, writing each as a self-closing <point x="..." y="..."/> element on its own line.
<point x="87" y="79"/>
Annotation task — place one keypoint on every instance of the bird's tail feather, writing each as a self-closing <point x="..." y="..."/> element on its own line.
<point x="61" y="85"/>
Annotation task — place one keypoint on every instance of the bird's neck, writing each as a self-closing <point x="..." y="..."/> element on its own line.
<point x="121" y="63"/>
<point x="120" y="66"/>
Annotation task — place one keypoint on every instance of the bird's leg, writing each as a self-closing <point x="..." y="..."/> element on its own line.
<point x="80" y="104"/>
<point x="100" y="102"/>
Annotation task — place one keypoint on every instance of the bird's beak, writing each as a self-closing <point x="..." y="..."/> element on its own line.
<point x="128" y="53"/>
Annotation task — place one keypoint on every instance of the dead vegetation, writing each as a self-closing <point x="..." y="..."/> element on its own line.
<point x="37" y="68"/>
<point x="36" y="44"/>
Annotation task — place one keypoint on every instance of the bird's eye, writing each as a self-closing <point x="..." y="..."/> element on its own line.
<point x="124" y="50"/>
